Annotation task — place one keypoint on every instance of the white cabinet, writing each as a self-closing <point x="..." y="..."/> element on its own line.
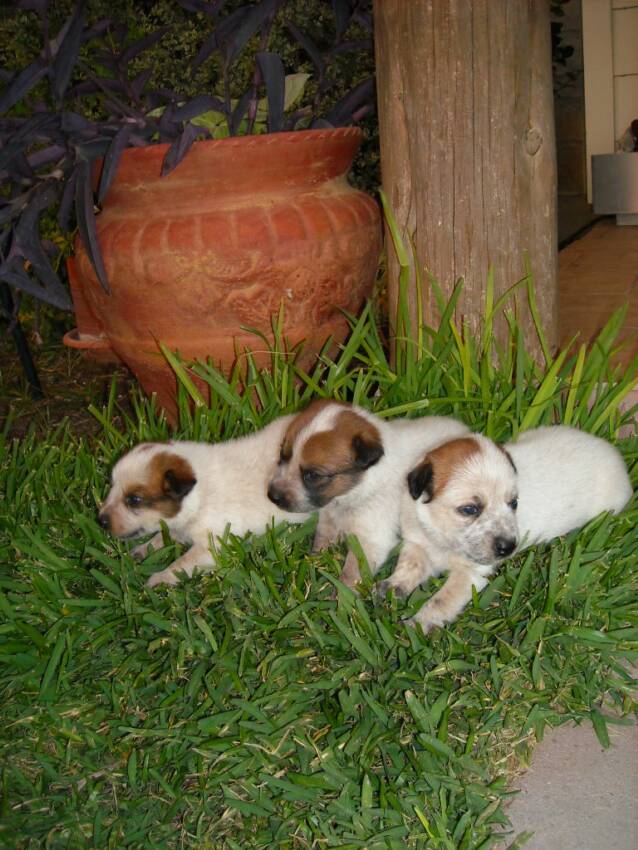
<point x="610" y="53"/>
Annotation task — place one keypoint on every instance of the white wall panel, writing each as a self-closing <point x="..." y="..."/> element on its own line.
<point x="625" y="41"/>
<point x="625" y="102"/>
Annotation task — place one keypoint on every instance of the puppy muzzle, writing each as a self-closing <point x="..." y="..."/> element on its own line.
<point x="279" y="497"/>
<point x="105" y="521"/>
<point x="284" y="496"/>
<point x="504" y="546"/>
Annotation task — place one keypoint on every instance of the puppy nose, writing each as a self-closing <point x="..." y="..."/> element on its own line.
<point x="104" y="520"/>
<point x="278" y="497"/>
<point x="504" y="546"/>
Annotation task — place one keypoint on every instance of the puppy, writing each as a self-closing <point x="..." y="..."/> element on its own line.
<point x="198" y="490"/>
<point x="351" y="465"/>
<point x="471" y="503"/>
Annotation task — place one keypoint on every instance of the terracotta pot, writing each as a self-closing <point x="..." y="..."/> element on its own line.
<point x="239" y="227"/>
<point x="88" y="336"/>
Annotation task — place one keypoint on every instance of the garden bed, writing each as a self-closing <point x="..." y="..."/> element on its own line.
<point x="249" y="708"/>
<point x="71" y="384"/>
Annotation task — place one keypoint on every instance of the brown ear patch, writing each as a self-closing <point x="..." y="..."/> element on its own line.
<point x="446" y="459"/>
<point x="299" y="423"/>
<point x="170" y="478"/>
<point x="364" y="437"/>
<point x="336" y="450"/>
<point x="341" y="455"/>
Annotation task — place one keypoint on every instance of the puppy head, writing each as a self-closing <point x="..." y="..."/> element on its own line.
<point x="324" y="454"/>
<point x="467" y="495"/>
<point x="148" y="485"/>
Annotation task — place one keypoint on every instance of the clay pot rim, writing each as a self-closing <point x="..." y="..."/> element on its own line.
<point x="273" y="160"/>
<point x="295" y="137"/>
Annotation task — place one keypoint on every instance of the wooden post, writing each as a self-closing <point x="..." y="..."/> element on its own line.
<point x="467" y="146"/>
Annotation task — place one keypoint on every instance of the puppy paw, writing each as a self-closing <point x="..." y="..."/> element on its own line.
<point x="350" y="575"/>
<point x="321" y="543"/>
<point x="382" y="588"/>
<point x="334" y="593"/>
<point x="140" y="552"/>
<point x="162" y="577"/>
<point x="428" y="621"/>
<point x="143" y="549"/>
<point x="413" y="622"/>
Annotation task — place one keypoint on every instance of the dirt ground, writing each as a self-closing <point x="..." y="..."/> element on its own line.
<point x="71" y="382"/>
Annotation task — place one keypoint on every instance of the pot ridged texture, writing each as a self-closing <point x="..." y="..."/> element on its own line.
<point x="239" y="228"/>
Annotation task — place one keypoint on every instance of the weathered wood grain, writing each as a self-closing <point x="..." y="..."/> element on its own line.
<point x="467" y="145"/>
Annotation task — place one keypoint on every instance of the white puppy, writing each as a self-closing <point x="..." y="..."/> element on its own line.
<point x="470" y="503"/>
<point x="198" y="490"/>
<point x="352" y="465"/>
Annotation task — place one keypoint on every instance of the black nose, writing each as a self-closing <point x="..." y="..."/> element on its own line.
<point x="504" y="546"/>
<point x="104" y="520"/>
<point x="275" y="495"/>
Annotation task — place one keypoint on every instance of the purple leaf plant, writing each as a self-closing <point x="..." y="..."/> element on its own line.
<point x="48" y="142"/>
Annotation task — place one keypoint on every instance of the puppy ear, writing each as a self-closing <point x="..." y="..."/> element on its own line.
<point x="509" y="457"/>
<point x="421" y="480"/>
<point x="178" y="483"/>
<point x="368" y="450"/>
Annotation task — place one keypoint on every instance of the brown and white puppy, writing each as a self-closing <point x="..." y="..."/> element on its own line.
<point x="471" y="503"/>
<point x="199" y="490"/>
<point x="351" y="466"/>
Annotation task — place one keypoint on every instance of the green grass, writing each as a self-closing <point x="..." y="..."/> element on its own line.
<point x="250" y="709"/>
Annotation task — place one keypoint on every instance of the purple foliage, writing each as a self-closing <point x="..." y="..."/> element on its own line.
<point x="47" y="146"/>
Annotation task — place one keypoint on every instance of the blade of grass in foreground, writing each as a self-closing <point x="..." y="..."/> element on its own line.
<point x="182" y="375"/>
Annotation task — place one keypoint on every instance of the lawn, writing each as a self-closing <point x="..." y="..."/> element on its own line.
<point x="250" y="708"/>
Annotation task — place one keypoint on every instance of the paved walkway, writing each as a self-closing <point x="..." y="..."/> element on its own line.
<point x="575" y="795"/>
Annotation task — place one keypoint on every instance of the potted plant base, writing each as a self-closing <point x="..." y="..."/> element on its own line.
<point x="88" y="336"/>
<point x="200" y="257"/>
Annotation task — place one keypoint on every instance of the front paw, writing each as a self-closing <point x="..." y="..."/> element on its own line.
<point x="140" y="552"/>
<point x="427" y="618"/>
<point x="162" y="577"/>
<point x="351" y="582"/>
<point x="143" y="549"/>
<point x="382" y="588"/>
<point x="323" y="541"/>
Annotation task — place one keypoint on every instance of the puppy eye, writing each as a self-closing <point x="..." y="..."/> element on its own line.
<point x="311" y="476"/>
<point x="469" y="510"/>
<point x="513" y="504"/>
<point x="133" y="500"/>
